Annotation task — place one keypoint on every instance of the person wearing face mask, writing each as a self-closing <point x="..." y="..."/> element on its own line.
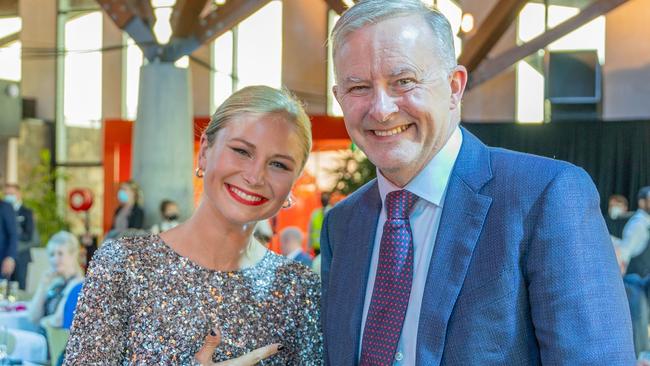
<point x="129" y="214"/>
<point x="26" y="229"/>
<point x="633" y="248"/>
<point x="207" y="291"/>
<point x="169" y="213"/>
<point x="617" y="215"/>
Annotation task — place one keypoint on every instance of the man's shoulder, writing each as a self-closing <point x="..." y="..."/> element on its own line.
<point x="367" y="191"/>
<point x="515" y="166"/>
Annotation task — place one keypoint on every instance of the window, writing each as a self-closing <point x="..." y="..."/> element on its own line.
<point x="82" y="95"/>
<point x="236" y="54"/>
<point x="10" y="65"/>
<point x="530" y="72"/>
<point x="133" y="62"/>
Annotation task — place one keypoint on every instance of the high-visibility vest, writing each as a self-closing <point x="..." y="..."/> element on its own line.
<point x="315" y="225"/>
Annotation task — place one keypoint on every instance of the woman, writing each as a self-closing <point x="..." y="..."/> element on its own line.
<point x="129" y="214"/>
<point x="47" y="304"/>
<point x="157" y="299"/>
<point x="170" y="217"/>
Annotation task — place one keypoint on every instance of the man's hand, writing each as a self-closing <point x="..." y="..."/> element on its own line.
<point x="8" y="266"/>
<point x="212" y="340"/>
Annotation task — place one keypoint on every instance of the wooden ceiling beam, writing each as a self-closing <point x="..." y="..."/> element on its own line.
<point x="337" y="5"/>
<point x="493" y="67"/>
<point x="13" y="37"/>
<point x="126" y="16"/>
<point x="225" y="17"/>
<point x="186" y="16"/>
<point x="490" y="31"/>
<point x="8" y="8"/>
<point x="144" y="10"/>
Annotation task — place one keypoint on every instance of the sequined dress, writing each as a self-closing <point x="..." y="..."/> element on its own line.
<point x="143" y="304"/>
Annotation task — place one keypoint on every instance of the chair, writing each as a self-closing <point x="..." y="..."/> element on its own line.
<point x="57" y="339"/>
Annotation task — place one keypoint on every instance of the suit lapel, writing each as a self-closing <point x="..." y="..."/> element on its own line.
<point x="463" y="215"/>
<point x="352" y="276"/>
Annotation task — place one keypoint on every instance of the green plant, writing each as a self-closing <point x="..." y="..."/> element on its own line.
<point x="354" y="171"/>
<point x="40" y="196"/>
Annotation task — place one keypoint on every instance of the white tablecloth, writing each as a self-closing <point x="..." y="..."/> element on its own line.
<point x="17" y="320"/>
<point x="30" y="346"/>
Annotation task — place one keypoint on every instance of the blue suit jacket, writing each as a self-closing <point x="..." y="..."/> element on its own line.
<point x="8" y="231"/>
<point x="522" y="273"/>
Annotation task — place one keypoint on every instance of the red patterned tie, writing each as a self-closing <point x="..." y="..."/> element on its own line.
<point x="390" y="295"/>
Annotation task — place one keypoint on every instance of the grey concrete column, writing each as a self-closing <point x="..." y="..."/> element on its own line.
<point x="163" y="139"/>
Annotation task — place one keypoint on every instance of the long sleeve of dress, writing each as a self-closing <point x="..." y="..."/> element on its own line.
<point x="309" y="335"/>
<point x="98" y="334"/>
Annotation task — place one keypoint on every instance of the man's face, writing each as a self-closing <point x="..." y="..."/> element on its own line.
<point x="400" y="102"/>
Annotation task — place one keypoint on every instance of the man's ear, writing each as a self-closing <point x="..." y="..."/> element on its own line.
<point x="457" y="83"/>
<point x="335" y="91"/>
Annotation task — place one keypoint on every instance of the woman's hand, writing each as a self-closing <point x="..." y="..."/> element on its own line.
<point x="212" y="340"/>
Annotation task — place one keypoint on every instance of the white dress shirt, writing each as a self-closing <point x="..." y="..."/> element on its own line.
<point x="430" y="185"/>
<point x="636" y="234"/>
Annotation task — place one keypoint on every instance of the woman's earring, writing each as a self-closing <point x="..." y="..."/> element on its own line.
<point x="288" y="203"/>
<point x="198" y="173"/>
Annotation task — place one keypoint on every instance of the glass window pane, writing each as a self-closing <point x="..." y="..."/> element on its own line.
<point x="590" y="36"/>
<point x="10" y="53"/>
<point x="9" y="26"/>
<point x="134" y="59"/>
<point x="82" y="96"/>
<point x="531" y="22"/>
<point x="259" y="56"/>
<point x="162" y="29"/>
<point x="530" y="93"/>
<point x="10" y="65"/>
<point x="333" y="106"/>
<point x="222" y="64"/>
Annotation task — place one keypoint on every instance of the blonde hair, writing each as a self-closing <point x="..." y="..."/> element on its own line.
<point x="261" y="99"/>
<point x="68" y="241"/>
<point x="367" y="12"/>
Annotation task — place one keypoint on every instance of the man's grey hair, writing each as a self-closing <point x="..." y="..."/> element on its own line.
<point x="292" y="234"/>
<point x="367" y="12"/>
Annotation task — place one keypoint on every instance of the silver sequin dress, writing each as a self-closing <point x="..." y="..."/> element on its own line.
<point x="143" y="304"/>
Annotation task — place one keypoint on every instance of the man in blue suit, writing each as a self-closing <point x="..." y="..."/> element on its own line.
<point x="458" y="253"/>
<point x="8" y="240"/>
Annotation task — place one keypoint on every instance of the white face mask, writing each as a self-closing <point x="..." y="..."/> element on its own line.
<point x="616" y="212"/>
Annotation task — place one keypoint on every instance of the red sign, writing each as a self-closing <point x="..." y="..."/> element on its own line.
<point x="80" y="199"/>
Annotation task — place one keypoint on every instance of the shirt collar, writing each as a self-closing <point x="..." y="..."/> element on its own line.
<point x="430" y="183"/>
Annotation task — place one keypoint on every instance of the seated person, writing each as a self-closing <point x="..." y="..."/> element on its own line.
<point x="291" y="239"/>
<point x="47" y="305"/>
<point x="71" y="305"/>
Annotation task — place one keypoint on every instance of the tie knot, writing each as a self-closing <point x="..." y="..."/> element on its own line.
<point x="399" y="204"/>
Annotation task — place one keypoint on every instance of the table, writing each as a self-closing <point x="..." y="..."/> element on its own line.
<point x="29" y="346"/>
<point x="17" y="319"/>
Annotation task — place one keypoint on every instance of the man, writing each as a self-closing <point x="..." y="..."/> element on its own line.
<point x="316" y="222"/>
<point x="291" y="245"/>
<point x="634" y="259"/>
<point x="633" y="247"/>
<point x="26" y="238"/>
<point x="8" y="240"/>
<point x="617" y="215"/>
<point x="458" y="254"/>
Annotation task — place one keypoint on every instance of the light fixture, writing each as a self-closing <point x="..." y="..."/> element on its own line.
<point x="467" y="23"/>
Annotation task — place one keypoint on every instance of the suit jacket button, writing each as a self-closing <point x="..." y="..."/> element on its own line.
<point x="399" y="356"/>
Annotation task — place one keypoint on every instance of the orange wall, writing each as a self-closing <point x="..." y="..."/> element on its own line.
<point x="328" y="132"/>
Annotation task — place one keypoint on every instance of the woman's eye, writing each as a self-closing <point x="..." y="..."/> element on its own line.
<point x="240" y="151"/>
<point x="277" y="164"/>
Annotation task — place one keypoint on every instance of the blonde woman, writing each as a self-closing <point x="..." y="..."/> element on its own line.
<point x="156" y="300"/>
<point x="48" y="302"/>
